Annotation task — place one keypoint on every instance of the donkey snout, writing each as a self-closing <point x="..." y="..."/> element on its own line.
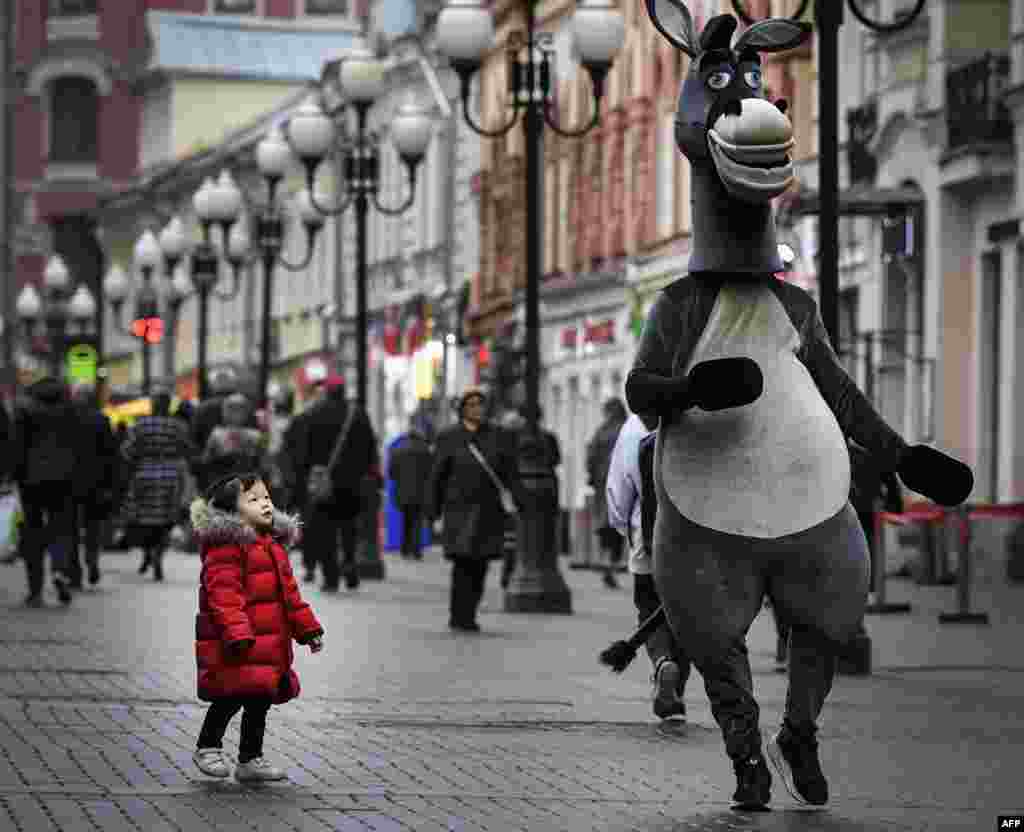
<point x="759" y="122"/>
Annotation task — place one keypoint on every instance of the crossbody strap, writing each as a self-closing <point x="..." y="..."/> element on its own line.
<point x="342" y="437"/>
<point x="483" y="464"/>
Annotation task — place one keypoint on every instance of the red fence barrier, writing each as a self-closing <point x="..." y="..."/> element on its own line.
<point x="963" y="515"/>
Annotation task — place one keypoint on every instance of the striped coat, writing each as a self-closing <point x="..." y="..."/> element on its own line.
<point x="157" y="450"/>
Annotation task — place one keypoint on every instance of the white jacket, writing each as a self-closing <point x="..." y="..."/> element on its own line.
<point x="623" y="492"/>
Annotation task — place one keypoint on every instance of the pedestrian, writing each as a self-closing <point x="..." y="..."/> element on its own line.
<point x="632" y="507"/>
<point x="409" y="467"/>
<point x="340" y="430"/>
<point x="210" y="412"/>
<point x="44" y="465"/>
<point x="292" y="462"/>
<point x="250" y="610"/>
<point x="232" y="446"/>
<point x="464" y="491"/>
<point x="599" y="455"/>
<point x="282" y="405"/>
<point x="155" y="450"/>
<point x="94" y="483"/>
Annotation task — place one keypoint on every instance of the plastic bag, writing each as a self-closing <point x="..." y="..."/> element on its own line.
<point x="10" y="509"/>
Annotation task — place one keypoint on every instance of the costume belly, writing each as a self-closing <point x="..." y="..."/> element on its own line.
<point x="777" y="466"/>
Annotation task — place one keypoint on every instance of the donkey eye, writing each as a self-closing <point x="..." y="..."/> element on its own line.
<point x="719" y="80"/>
<point x="753" y="78"/>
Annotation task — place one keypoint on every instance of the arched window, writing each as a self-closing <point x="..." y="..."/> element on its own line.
<point x="74" y="107"/>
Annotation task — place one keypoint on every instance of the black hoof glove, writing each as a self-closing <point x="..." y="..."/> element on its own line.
<point x="725" y="382"/>
<point x="940" y="477"/>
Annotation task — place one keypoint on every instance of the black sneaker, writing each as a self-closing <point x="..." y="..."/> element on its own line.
<point x="352" y="580"/>
<point x="664" y="694"/>
<point x="94" y="575"/>
<point x="753" y="783"/>
<point x="796" y="760"/>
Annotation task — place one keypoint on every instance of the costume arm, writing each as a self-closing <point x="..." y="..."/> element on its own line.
<point x="651" y="390"/>
<point x="857" y="417"/>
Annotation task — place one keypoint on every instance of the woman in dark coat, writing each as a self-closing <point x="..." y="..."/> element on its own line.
<point x="463" y="493"/>
<point x="155" y="449"/>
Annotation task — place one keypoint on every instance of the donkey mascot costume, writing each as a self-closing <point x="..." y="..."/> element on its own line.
<point x="752" y="471"/>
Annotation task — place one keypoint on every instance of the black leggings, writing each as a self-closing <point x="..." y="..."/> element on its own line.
<point x="254" y="724"/>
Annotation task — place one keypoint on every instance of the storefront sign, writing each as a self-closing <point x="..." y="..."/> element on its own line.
<point x="569" y="338"/>
<point x="599" y="333"/>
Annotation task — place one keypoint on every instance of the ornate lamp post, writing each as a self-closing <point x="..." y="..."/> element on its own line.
<point x="147" y="325"/>
<point x="214" y="202"/>
<point x="828" y="17"/>
<point x="63" y="302"/>
<point x="465" y="31"/>
<point x="356" y="81"/>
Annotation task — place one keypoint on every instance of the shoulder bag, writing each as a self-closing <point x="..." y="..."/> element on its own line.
<point x="318" y="484"/>
<point x="508" y="503"/>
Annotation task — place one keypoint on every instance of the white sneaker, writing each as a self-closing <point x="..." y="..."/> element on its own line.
<point x="258" y="769"/>
<point x="211" y="761"/>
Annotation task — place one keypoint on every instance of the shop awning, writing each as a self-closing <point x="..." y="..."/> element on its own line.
<point x="858" y="201"/>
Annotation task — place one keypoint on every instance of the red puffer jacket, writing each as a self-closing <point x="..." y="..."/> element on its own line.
<point x="248" y="599"/>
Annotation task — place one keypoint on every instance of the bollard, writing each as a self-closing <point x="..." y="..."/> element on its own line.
<point x="963" y="615"/>
<point x="878" y="604"/>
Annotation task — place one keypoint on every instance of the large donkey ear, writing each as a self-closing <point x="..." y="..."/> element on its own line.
<point x="776" y="34"/>
<point x="673" y="20"/>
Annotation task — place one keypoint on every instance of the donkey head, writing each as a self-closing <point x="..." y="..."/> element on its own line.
<point x="723" y="119"/>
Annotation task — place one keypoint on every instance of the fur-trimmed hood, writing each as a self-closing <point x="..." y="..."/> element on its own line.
<point x="213" y="527"/>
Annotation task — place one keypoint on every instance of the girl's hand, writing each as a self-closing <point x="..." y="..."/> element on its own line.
<point x="316" y="644"/>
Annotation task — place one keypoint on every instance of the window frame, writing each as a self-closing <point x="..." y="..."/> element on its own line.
<point x="258" y="9"/>
<point x="54" y="149"/>
<point x="57" y="8"/>
<point x="346" y="14"/>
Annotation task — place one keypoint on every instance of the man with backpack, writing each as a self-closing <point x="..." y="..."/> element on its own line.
<point x="632" y="507"/>
<point x="45" y="427"/>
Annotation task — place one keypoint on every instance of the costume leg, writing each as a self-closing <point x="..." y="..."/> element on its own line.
<point x="711" y="584"/>
<point x="218" y="715"/>
<point x="819" y="580"/>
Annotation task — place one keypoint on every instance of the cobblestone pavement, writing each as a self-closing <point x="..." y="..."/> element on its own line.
<point x="404" y="726"/>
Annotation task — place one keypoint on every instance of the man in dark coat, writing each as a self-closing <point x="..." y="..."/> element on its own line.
<point x="409" y="467"/>
<point x="44" y="464"/>
<point x="599" y="458"/>
<point x="292" y="462"/>
<point x="94" y="483"/>
<point x="358" y="459"/>
<point x="465" y="495"/>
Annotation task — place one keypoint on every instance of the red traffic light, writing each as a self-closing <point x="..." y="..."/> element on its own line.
<point x="152" y="329"/>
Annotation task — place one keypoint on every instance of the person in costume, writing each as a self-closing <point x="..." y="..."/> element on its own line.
<point x="752" y="407"/>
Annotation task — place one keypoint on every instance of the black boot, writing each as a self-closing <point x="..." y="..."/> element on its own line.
<point x="146" y="560"/>
<point x="158" y="565"/>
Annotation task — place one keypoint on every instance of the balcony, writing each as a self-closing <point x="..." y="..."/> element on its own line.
<point x="72" y="20"/>
<point x="975" y="110"/>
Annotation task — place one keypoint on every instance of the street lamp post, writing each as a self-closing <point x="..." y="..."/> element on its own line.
<point x="356" y="81"/>
<point x="204" y="273"/>
<point x="465" y="31"/>
<point x="63" y="302"/>
<point x="828" y="17"/>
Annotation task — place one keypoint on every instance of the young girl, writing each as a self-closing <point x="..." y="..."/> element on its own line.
<point x="250" y="609"/>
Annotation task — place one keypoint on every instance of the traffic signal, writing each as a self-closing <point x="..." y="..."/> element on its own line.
<point x="152" y="329"/>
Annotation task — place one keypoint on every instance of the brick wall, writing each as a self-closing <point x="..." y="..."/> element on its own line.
<point x="119" y="126"/>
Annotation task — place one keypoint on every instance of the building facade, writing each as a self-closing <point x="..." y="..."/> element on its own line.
<point x="108" y="94"/>
<point x="930" y="272"/>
